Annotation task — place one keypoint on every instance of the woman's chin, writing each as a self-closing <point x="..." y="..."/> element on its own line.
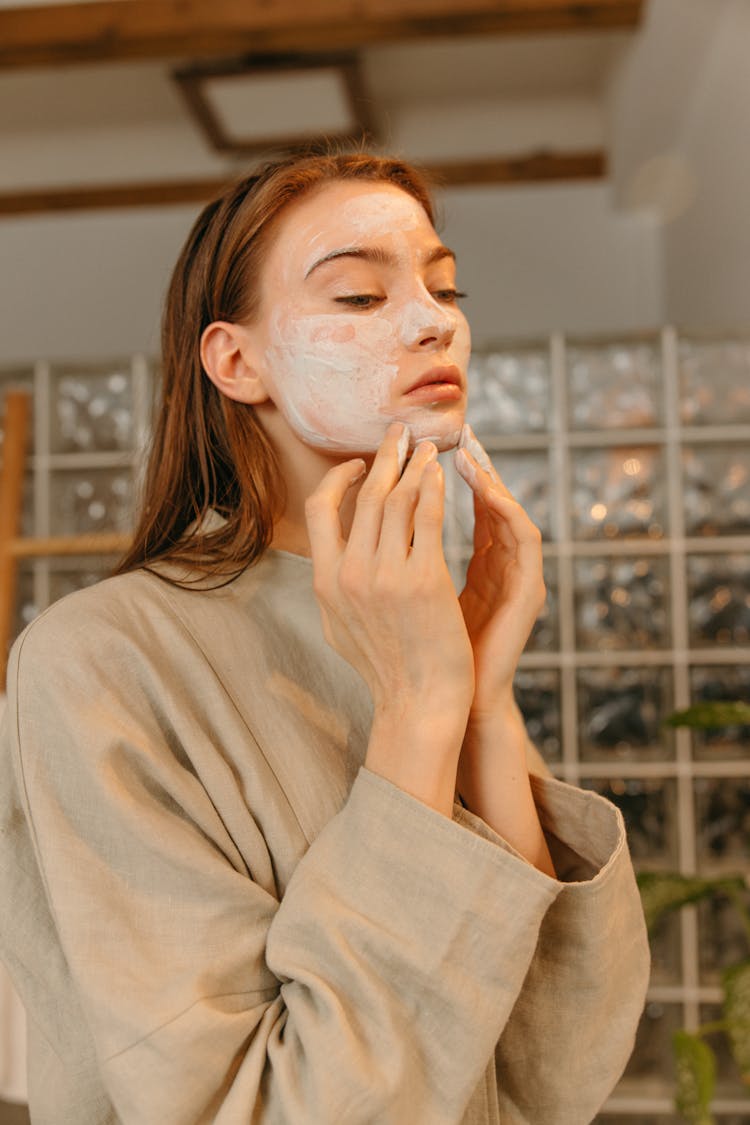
<point x="441" y="426"/>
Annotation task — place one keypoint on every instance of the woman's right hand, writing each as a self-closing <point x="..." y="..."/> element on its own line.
<point x="390" y="609"/>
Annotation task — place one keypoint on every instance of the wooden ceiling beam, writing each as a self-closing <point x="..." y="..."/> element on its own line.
<point x="108" y="197"/>
<point x="111" y="30"/>
<point x="535" y="168"/>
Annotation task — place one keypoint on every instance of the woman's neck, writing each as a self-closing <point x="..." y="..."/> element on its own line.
<point x="302" y="469"/>
<point x="288" y="537"/>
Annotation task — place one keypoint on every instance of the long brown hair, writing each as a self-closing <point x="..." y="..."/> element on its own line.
<point x="208" y="451"/>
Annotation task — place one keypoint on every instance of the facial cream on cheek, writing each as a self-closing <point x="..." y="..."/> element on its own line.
<point x="341" y="335"/>
<point x="334" y="377"/>
<point x="337" y="379"/>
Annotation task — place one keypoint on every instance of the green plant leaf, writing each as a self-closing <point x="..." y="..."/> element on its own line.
<point x="695" y="1068"/>
<point x="736" y="981"/>
<point x="711" y="715"/>
<point x="665" y="891"/>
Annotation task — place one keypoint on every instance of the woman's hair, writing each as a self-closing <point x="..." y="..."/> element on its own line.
<point x="208" y="451"/>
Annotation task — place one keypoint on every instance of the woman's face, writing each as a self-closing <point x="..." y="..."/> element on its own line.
<point x="359" y="323"/>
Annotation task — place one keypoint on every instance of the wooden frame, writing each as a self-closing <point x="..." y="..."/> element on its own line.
<point x="12" y="465"/>
<point x="69" y="33"/>
<point x="542" y="167"/>
<point x="102" y="197"/>
<point x="12" y="546"/>
<point x="190" y="81"/>
<point x="533" y="168"/>
<point x="61" y="34"/>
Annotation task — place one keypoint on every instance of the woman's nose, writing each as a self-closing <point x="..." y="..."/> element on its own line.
<point x="426" y="325"/>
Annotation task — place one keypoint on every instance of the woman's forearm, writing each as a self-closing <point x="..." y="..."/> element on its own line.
<point x="493" y="782"/>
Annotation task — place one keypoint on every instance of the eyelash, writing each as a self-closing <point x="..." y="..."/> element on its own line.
<point x="448" y="296"/>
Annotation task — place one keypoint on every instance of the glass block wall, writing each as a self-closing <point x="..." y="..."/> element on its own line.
<point x="633" y="456"/>
<point x="90" y="424"/>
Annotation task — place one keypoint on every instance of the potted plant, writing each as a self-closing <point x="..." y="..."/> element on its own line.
<point x="664" y="892"/>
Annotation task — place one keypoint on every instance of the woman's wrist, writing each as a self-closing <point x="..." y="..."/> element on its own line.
<point x="417" y="749"/>
<point x="501" y="713"/>
<point x="494" y="746"/>
<point x="492" y="780"/>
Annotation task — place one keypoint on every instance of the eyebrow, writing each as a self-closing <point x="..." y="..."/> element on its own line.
<point x="378" y="256"/>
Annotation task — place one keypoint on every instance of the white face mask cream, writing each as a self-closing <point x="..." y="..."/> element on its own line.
<point x="339" y="369"/>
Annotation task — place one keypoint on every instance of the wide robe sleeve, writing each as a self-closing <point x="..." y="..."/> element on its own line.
<point x="572" y="1029"/>
<point x="375" y="991"/>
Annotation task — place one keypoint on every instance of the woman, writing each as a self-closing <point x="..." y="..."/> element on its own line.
<point x="242" y="889"/>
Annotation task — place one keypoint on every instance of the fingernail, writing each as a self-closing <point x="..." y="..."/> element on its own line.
<point x="469" y="441"/>
<point x="465" y="468"/>
<point x="431" y="449"/>
<point x="359" y="468"/>
<point x="403" y="449"/>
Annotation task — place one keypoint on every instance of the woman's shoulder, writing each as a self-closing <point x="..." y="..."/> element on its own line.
<point x="157" y="616"/>
<point x="105" y="620"/>
<point x="112" y="600"/>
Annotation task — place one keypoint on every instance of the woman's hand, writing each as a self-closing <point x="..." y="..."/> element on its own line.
<point x="389" y="608"/>
<point x="504" y="591"/>
<point x="501" y="600"/>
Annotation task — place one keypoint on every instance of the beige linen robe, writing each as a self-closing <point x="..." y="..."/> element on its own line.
<point x="215" y="913"/>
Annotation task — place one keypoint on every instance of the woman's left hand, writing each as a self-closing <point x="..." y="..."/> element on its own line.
<point x="501" y="600"/>
<point x="504" y="591"/>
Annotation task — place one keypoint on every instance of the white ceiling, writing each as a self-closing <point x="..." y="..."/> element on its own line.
<point x="494" y="67"/>
<point x="85" y="97"/>
<point x="491" y="67"/>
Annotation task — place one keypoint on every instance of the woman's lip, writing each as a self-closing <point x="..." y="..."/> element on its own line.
<point x="447" y="375"/>
<point x="435" y="392"/>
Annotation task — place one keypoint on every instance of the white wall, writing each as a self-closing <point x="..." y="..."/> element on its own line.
<point x="556" y="257"/>
<point x="679" y="110"/>
<point x="653" y="87"/>
<point x="467" y="128"/>
<point x="86" y="285"/>
<point x="707" y="247"/>
<point x="532" y="259"/>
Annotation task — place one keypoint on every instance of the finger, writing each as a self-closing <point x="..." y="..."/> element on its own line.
<point x="470" y="442"/>
<point x="486" y="527"/>
<point x="322" y="514"/>
<point x="383" y="476"/>
<point x="482" y="525"/>
<point x="526" y="536"/>
<point x="428" y="516"/>
<point x="476" y="477"/>
<point x="483" y="486"/>
<point x="507" y="523"/>
<point x="477" y="457"/>
<point x="400" y="505"/>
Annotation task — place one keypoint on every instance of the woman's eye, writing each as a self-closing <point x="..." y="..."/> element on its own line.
<point x="360" y="300"/>
<point x="448" y="296"/>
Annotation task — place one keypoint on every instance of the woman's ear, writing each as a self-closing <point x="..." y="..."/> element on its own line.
<point x="228" y="360"/>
